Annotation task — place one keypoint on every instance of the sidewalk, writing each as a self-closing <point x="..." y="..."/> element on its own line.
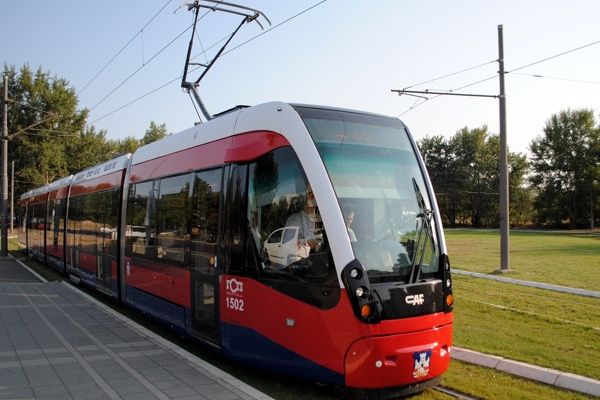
<point x="57" y="342"/>
<point x="12" y="270"/>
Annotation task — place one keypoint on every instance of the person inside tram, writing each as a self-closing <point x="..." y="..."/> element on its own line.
<point x="349" y="217"/>
<point x="306" y="226"/>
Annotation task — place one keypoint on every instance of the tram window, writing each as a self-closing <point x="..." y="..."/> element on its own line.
<point x="172" y="230"/>
<point x="287" y="231"/>
<point x="140" y="231"/>
<point x="236" y="234"/>
<point x="60" y="222"/>
<point x="205" y="220"/>
<point x="88" y="223"/>
<point x="111" y="225"/>
<point x="74" y="224"/>
<point x="53" y="216"/>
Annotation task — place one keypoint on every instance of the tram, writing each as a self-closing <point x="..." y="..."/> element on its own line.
<point x="301" y="239"/>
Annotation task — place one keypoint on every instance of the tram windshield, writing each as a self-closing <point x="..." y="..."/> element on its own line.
<point x="381" y="192"/>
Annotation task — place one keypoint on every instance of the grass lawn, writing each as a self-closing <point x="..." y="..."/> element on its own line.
<point x="485" y="383"/>
<point x="560" y="258"/>
<point x="540" y="327"/>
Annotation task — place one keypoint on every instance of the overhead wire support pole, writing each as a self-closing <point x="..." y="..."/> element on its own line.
<point x="4" y="174"/>
<point x="504" y="212"/>
<point x="503" y="165"/>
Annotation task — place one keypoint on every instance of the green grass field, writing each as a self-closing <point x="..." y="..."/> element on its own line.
<point x="484" y="383"/>
<point x="540" y="327"/>
<point x="567" y="259"/>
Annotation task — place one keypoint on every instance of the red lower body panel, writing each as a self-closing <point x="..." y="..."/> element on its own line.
<point x="400" y="359"/>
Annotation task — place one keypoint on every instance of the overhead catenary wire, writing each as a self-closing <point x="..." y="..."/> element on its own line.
<point x="557" y="78"/>
<point x="507" y="72"/>
<point x="22" y="104"/>
<point x="43" y="133"/>
<point x="207" y="49"/>
<point x="145" y="63"/>
<point x="452" y="74"/>
<point x="140" y="68"/>
<point x="274" y="27"/>
<point x="123" y="48"/>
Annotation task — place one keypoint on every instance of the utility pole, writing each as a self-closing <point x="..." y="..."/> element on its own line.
<point x="503" y="164"/>
<point x="12" y="195"/>
<point x="504" y="203"/>
<point x="4" y="200"/>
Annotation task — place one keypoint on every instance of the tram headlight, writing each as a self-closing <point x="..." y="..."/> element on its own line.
<point x="355" y="273"/>
<point x="360" y="291"/>
<point x="448" y="283"/>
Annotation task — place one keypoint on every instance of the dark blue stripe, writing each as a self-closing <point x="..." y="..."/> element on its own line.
<point x="248" y="346"/>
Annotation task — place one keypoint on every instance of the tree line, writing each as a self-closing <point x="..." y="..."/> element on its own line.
<point x="49" y="135"/>
<point x="558" y="185"/>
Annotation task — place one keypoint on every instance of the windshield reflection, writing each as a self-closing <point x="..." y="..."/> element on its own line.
<point x="381" y="192"/>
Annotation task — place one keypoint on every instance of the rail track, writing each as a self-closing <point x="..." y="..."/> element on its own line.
<point x="454" y="393"/>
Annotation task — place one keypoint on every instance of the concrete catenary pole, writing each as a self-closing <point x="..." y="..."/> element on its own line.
<point x="4" y="200"/>
<point x="504" y="203"/>
<point x="12" y="195"/>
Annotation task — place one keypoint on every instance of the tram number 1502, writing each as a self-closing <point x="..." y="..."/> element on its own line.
<point x="234" y="303"/>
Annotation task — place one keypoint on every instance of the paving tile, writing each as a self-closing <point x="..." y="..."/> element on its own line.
<point x="130" y="389"/>
<point x="182" y="391"/>
<point x="139" y="396"/>
<point x="73" y="360"/>
<point x="56" y="390"/>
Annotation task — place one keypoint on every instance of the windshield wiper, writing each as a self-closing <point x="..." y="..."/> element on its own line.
<point x="425" y="215"/>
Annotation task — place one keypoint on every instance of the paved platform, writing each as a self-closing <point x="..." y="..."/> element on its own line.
<point x="12" y="271"/>
<point x="58" y="343"/>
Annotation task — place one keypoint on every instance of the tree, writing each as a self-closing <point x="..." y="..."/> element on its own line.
<point x="122" y="146"/>
<point x="464" y="174"/>
<point x="90" y="148"/>
<point x="154" y="133"/>
<point x="49" y="136"/>
<point x="440" y="159"/>
<point x="566" y="172"/>
<point x="43" y="116"/>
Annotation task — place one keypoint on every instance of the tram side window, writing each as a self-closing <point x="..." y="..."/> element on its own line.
<point x="36" y="226"/>
<point x="89" y="211"/>
<point x="59" y="221"/>
<point x="287" y="231"/>
<point x="74" y="224"/>
<point x="205" y="220"/>
<point x="141" y="219"/>
<point x="157" y="225"/>
<point x="112" y="204"/>
<point x="172" y="232"/>
<point x="236" y="235"/>
<point x="53" y="215"/>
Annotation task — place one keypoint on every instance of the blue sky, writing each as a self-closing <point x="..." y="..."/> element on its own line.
<point x="341" y="53"/>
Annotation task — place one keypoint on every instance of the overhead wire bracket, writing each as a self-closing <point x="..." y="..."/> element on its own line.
<point x="249" y="15"/>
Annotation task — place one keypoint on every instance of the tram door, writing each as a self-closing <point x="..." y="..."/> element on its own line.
<point x="205" y="262"/>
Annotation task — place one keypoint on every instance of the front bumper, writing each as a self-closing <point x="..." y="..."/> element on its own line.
<point x="398" y="359"/>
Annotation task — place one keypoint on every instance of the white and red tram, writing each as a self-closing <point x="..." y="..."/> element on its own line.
<point x="301" y="239"/>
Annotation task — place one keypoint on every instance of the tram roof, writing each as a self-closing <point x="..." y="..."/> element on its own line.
<point x="238" y="120"/>
<point x="116" y="164"/>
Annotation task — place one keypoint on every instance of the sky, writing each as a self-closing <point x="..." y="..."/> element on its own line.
<point x="347" y="54"/>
